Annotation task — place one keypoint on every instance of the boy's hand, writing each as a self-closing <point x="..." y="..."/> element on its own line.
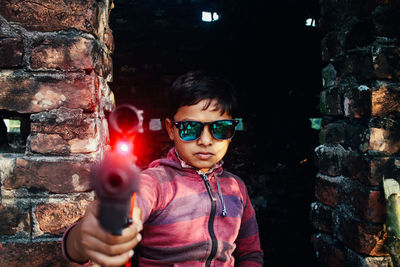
<point x="88" y="240"/>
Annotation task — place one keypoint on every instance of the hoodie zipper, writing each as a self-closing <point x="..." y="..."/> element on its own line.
<point x="211" y="220"/>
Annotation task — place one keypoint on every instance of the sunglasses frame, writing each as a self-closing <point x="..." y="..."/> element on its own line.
<point x="178" y="123"/>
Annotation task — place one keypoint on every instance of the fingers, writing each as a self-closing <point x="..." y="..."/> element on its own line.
<point x="94" y="244"/>
<point x="105" y="248"/>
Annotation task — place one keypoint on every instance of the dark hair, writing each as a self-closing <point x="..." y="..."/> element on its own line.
<point x="195" y="86"/>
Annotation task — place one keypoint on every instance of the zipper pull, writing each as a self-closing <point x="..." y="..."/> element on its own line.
<point x="208" y="187"/>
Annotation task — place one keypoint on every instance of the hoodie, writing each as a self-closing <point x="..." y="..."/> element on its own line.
<point x="195" y="219"/>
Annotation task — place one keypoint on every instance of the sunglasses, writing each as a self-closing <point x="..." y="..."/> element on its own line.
<point x="191" y="130"/>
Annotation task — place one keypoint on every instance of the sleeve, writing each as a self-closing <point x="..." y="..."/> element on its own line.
<point x="248" y="251"/>
<point x="147" y="197"/>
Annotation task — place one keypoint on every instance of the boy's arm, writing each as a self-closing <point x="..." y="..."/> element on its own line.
<point x="248" y="250"/>
<point x="86" y="240"/>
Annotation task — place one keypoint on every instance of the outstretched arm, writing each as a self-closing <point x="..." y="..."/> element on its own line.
<point x="87" y="240"/>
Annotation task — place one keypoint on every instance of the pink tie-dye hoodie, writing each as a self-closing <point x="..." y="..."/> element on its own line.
<point x="195" y="219"/>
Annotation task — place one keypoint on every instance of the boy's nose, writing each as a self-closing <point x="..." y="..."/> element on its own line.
<point x="206" y="137"/>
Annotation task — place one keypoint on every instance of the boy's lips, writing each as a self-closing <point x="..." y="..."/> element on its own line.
<point x="203" y="155"/>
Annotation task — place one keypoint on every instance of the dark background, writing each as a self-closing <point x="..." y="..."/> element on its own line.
<point x="273" y="59"/>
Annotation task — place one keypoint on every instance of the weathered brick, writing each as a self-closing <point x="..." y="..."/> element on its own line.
<point x="384" y="140"/>
<point x="385" y="99"/>
<point x="385" y="18"/>
<point x="357" y="102"/>
<point x="330" y="46"/>
<point x="88" y="145"/>
<point x="32" y="254"/>
<point x="369" y="205"/>
<point x="67" y="123"/>
<point x="334" y="15"/>
<point x="386" y="61"/>
<point x="366" y="204"/>
<point x="15" y="219"/>
<point x="331" y="102"/>
<point x="322" y="217"/>
<point x="330" y="252"/>
<point x="329" y="76"/>
<point x="364" y="238"/>
<point x="328" y="190"/>
<point x="386" y="167"/>
<point x="49" y="15"/>
<point x="28" y="93"/>
<point x="49" y="144"/>
<point x="337" y="161"/>
<point x="65" y="52"/>
<point x="54" y="174"/>
<point x="356" y="63"/>
<point x="54" y="144"/>
<point x="54" y="218"/>
<point x="11" y="52"/>
<point x="349" y="135"/>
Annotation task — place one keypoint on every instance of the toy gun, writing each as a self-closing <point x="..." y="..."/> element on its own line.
<point x="115" y="178"/>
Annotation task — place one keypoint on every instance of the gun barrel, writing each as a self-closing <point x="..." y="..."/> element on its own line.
<point x="115" y="178"/>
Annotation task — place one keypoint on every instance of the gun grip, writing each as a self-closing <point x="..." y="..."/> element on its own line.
<point x="133" y="198"/>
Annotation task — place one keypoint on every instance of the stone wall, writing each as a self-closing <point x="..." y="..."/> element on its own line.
<point x="55" y="63"/>
<point x="360" y="136"/>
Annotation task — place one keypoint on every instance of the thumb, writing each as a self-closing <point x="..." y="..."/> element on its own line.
<point x="93" y="209"/>
<point x="137" y="215"/>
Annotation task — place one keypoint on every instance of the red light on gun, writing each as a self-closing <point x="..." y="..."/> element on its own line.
<point x="124" y="147"/>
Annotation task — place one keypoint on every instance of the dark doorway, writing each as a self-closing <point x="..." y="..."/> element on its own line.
<point x="269" y="53"/>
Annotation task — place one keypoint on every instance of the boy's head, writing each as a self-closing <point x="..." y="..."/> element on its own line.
<point x="194" y="86"/>
<point x="196" y="100"/>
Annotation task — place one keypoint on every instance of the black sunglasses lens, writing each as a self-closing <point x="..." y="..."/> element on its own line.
<point x="190" y="130"/>
<point x="223" y="129"/>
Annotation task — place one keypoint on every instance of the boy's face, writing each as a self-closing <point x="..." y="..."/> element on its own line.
<point x="206" y="151"/>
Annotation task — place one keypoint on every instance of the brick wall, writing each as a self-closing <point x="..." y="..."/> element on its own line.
<point x="360" y="136"/>
<point x="55" y="62"/>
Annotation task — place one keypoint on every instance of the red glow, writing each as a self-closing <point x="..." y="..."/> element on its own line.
<point x="124" y="147"/>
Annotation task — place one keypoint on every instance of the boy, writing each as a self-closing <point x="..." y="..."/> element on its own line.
<point x="194" y="212"/>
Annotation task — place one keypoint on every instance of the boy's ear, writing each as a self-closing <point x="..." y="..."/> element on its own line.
<point x="170" y="128"/>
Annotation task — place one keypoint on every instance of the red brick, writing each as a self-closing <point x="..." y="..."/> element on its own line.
<point x="357" y="102"/>
<point x="349" y="135"/>
<point x="364" y="238"/>
<point x="65" y="52"/>
<point x="14" y="219"/>
<point x="385" y="19"/>
<point x="330" y="46"/>
<point x="337" y="161"/>
<point x="50" y="174"/>
<point x="382" y="140"/>
<point x="368" y="204"/>
<point x="52" y="15"/>
<point x="48" y="144"/>
<point x="11" y="52"/>
<point x="386" y="61"/>
<point x="385" y="99"/>
<point x="330" y="252"/>
<point x="357" y="63"/>
<point x="27" y="93"/>
<point x="328" y="190"/>
<point x="384" y="167"/>
<point x="67" y="123"/>
<point x="32" y="254"/>
<point x="331" y="102"/>
<point x="54" y="218"/>
<point x="322" y="217"/>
